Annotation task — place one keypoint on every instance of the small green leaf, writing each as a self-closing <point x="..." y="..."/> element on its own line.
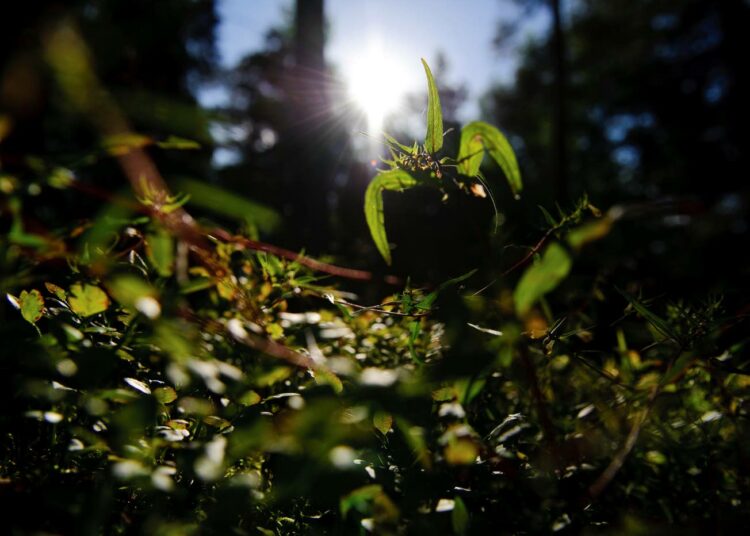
<point x="589" y="232"/>
<point x="460" y="451"/>
<point x="434" y="140"/>
<point x="359" y="499"/>
<point x="382" y="422"/>
<point x="444" y="394"/>
<point x="32" y="305"/>
<point x="414" y="437"/>
<point x="426" y="302"/>
<point x="128" y="289"/>
<point x="228" y="204"/>
<point x="165" y="395"/>
<point x="160" y="251"/>
<point x="542" y="277"/>
<point x="57" y="291"/>
<point x="680" y="366"/>
<point x="250" y="398"/>
<point x="121" y="144"/>
<point x="216" y="421"/>
<point x="324" y="376"/>
<point x="88" y="300"/>
<point x="394" y="143"/>
<point x="395" y="179"/>
<point x="478" y="136"/>
<point x="459" y="516"/>
<point x="175" y="142"/>
<point x="547" y="216"/>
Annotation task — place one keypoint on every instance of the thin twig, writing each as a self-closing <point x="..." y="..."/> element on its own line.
<point x="604" y="374"/>
<point x="541" y="407"/>
<point x="601" y="483"/>
<point x="619" y="459"/>
<point x="534" y="250"/>
<point x="379" y="309"/>
<point x="256" y="342"/>
<point x="313" y="264"/>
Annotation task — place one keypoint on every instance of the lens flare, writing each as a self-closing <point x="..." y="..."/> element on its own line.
<point x="375" y="85"/>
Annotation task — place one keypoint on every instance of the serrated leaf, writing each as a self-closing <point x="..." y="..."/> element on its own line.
<point x="383" y="422"/>
<point x="32" y="305"/>
<point x="160" y="251"/>
<point x="542" y="277"/>
<point x="478" y="137"/>
<point x="395" y="179"/>
<point x="87" y="300"/>
<point x="459" y="516"/>
<point x="434" y="139"/>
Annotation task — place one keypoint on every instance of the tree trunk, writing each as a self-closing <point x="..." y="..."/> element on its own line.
<point x="311" y="177"/>
<point x="308" y="32"/>
<point x="559" y="103"/>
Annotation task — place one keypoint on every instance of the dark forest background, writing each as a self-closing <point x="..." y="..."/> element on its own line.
<point x="633" y="102"/>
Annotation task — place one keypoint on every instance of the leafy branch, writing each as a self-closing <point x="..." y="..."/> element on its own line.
<point x="414" y="165"/>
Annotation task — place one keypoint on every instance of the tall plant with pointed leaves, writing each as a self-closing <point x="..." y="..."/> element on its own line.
<point x="416" y="165"/>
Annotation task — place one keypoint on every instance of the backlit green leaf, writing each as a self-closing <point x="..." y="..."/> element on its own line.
<point x="165" y="395"/>
<point x="250" y="398"/>
<point x="121" y="144"/>
<point x="129" y="289"/>
<point x="160" y="251"/>
<point x="589" y="232"/>
<point x="175" y="142"/>
<point x="32" y="305"/>
<point x="382" y="422"/>
<point x="426" y="302"/>
<point x="478" y="136"/>
<point x="542" y="277"/>
<point x="434" y="139"/>
<point x="459" y="516"/>
<point x="327" y="377"/>
<point x="395" y="179"/>
<point x="228" y="204"/>
<point x="57" y="291"/>
<point x="394" y="143"/>
<point x="87" y="300"/>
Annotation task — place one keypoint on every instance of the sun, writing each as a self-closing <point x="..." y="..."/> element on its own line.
<point x="375" y="84"/>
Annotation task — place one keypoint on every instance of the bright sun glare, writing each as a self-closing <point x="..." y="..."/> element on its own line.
<point x="375" y="84"/>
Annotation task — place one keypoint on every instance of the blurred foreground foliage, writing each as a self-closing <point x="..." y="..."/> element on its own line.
<point x="146" y="390"/>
